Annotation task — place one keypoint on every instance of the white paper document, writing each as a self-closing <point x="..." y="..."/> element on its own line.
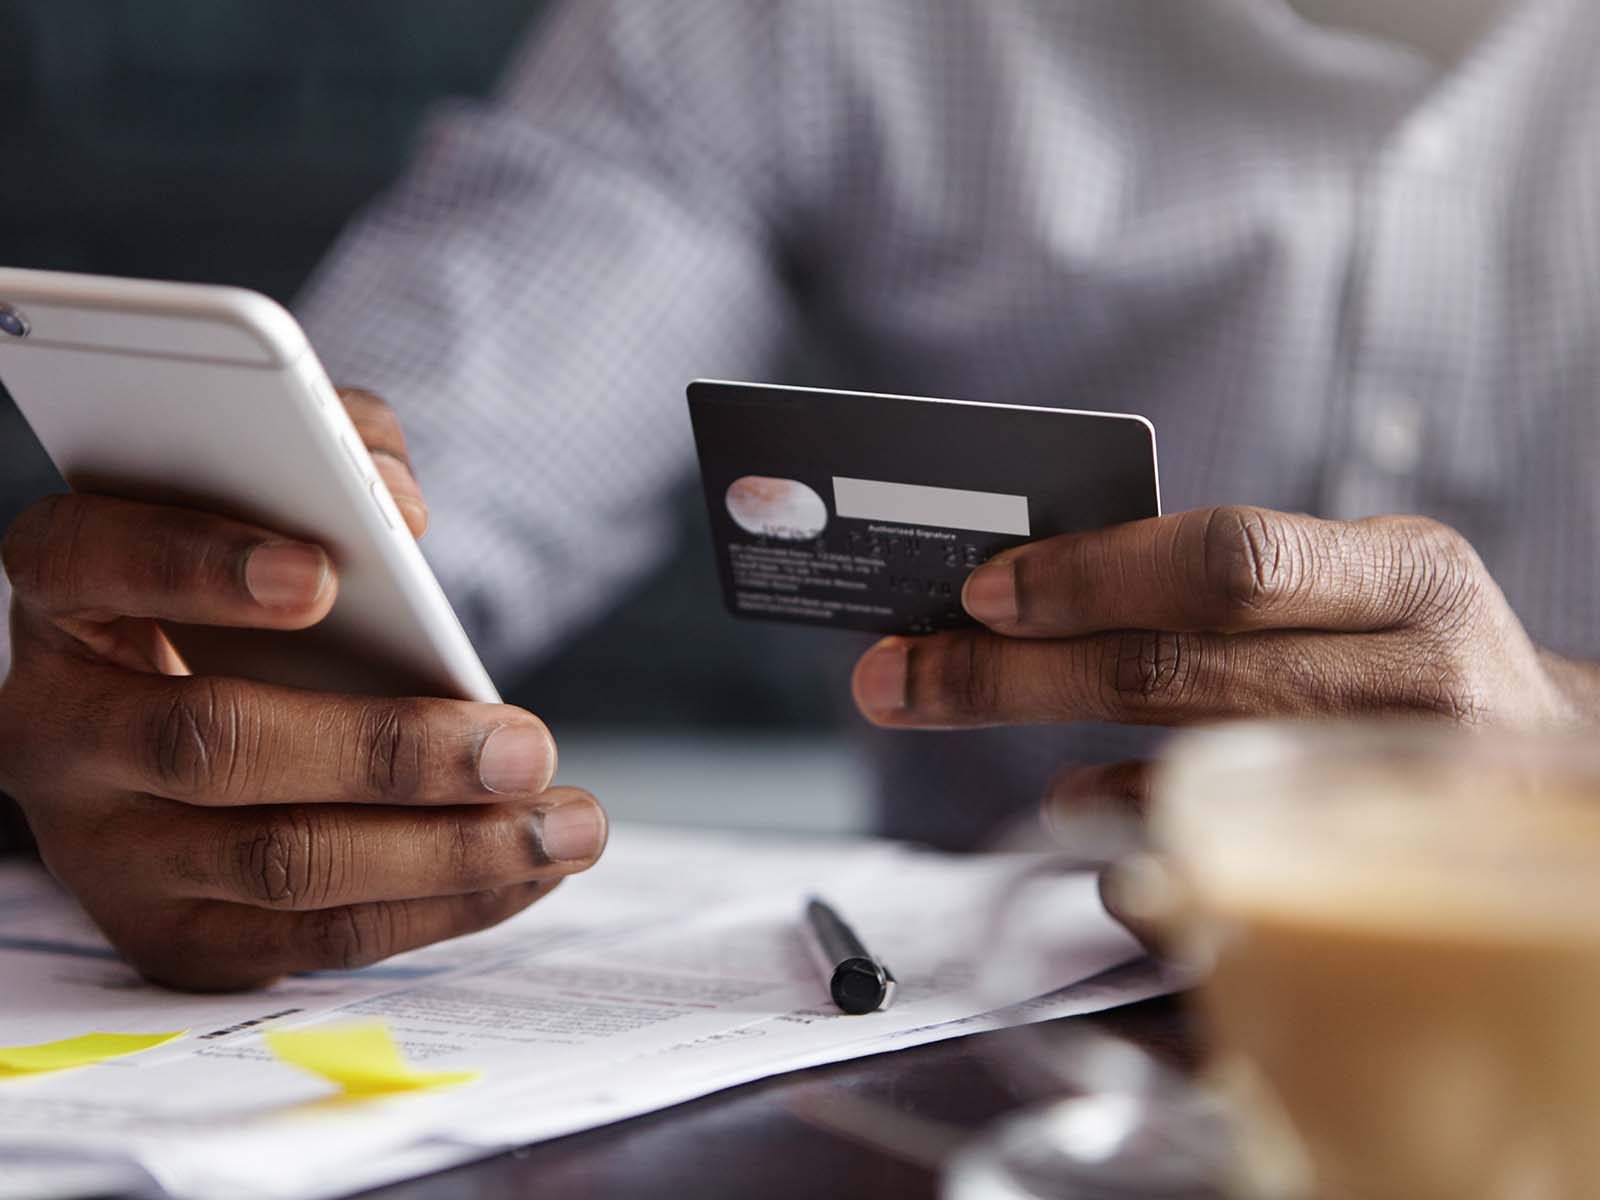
<point x="671" y="970"/>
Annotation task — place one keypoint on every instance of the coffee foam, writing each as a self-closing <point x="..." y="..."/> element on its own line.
<point x="1383" y="861"/>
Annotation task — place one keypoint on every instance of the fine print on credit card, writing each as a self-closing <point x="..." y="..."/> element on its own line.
<point x="850" y="510"/>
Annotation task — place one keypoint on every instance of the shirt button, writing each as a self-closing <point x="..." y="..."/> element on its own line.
<point x="1395" y="435"/>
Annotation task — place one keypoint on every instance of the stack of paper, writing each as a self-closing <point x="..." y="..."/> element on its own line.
<point x="672" y="970"/>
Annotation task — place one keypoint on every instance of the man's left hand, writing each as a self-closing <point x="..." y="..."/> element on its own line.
<point x="1222" y="613"/>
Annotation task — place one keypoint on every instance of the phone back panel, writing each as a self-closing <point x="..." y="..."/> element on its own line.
<point x="210" y="398"/>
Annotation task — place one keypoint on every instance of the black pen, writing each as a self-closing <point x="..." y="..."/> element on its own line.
<point x="858" y="982"/>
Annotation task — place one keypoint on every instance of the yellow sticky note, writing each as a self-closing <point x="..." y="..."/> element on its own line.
<point x="77" y="1052"/>
<point x="362" y="1060"/>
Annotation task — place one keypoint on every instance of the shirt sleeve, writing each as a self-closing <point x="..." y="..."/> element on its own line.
<point x="535" y="294"/>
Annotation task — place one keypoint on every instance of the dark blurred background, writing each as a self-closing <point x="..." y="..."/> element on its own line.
<point x="227" y="141"/>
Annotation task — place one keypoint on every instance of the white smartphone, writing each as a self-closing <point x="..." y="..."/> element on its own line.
<point x="211" y="398"/>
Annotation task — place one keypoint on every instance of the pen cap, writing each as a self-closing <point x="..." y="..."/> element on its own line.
<point x="858" y="985"/>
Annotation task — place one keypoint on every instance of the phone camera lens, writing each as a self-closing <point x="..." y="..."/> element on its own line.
<point x="13" y="323"/>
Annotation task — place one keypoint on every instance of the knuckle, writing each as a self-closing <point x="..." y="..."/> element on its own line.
<point x="475" y="838"/>
<point x="292" y="858"/>
<point x="966" y="684"/>
<point x="197" y="740"/>
<point x="180" y="557"/>
<point x="1148" y="671"/>
<point x="1440" y="540"/>
<point x="463" y="844"/>
<point x="1425" y="678"/>
<point x="1299" y="681"/>
<point x="1250" y="559"/>
<point x="1442" y="577"/>
<point x="357" y="935"/>
<point x="1447" y="692"/>
<point x="1070" y="566"/>
<point x="395" y="750"/>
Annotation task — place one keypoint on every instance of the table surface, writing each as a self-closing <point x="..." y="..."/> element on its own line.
<point x="760" y="1139"/>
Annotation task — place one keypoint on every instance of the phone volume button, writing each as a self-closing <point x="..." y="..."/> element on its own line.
<point x="380" y="497"/>
<point x="358" y="456"/>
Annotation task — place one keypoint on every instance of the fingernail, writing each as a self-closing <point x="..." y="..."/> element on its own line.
<point x="395" y="472"/>
<point x="286" y="574"/>
<point x="574" y="832"/>
<point x="990" y="594"/>
<point x="1057" y="816"/>
<point x="414" y="511"/>
<point x="881" y="678"/>
<point x="516" y="758"/>
<point x="396" y="477"/>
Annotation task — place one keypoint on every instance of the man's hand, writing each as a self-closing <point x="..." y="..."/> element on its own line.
<point x="1219" y="613"/>
<point x="224" y="833"/>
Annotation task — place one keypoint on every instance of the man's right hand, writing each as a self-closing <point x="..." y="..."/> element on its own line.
<point x="224" y="833"/>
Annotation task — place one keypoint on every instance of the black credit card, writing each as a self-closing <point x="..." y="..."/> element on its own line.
<point x="858" y="511"/>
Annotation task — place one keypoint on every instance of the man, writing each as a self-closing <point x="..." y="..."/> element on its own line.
<point x="1345" y="259"/>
